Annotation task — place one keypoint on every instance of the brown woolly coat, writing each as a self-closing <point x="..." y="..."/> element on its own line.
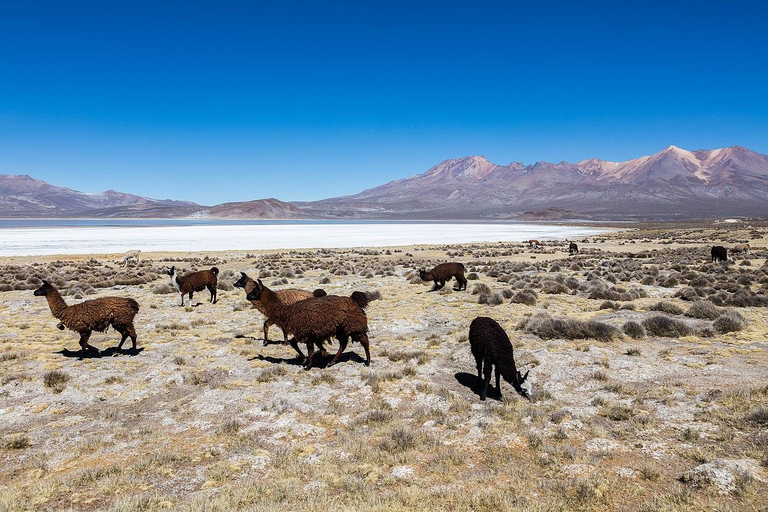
<point x="286" y="296"/>
<point x="319" y="318"/>
<point x="93" y="315"/>
<point x="445" y="272"/>
<point x="315" y="319"/>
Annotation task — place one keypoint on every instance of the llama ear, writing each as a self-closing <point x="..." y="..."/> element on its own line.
<point x="525" y="377"/>
<point x="260" y="283"/>
<point x="46" y="283"/>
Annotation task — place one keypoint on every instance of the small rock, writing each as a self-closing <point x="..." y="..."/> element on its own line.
<point x="402" y="472"/>
<point x="723" y="474"/>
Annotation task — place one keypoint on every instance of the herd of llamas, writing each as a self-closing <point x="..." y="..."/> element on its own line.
<point x="312" y="318"/>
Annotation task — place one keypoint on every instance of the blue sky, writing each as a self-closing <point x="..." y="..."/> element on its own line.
<point x="226" y="101"/>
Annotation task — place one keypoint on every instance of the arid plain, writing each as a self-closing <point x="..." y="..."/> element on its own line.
<point x="648" y="362"/>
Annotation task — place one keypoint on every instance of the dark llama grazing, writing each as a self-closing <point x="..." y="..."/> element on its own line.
<point x="92" y="315"/>
<point x="491" y="347"/>
<point x="319" y="318"/>
<point x="719" y="253"/>
<point x="286" y="296"/>
<point x="445" y="272"/>
<point x="573" y="249"/>
<point x="195" y="282"/>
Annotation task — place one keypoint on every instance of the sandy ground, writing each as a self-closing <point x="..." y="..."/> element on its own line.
<point x="205" y="417"/>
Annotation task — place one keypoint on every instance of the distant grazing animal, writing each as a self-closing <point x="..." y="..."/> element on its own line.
<point x="130" y="257"/>
<point x="313" y="320"/>
<point x="491" y="347"/>
<point x="573" y="248"/>
<point x="534" y="244"/>
<point x="195" y="282"/>
<point x="719" y="253"/>
<point x="92" y="315"/>
<point x="444" y="272"/>
<point x="286" y="296"/>
<point x="739" y="248"/>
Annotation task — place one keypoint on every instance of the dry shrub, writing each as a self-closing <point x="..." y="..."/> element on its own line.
<point x="527" y="297"/>
<point x="56" y="380"/>
<point x="686" y="294"/>
<point x="163" y="289"/>
<point x="546" y="327"/>
<point x="492" y="299"/>
<point x="553" y="288"/>
<point x="729" y="321"/>
<point x="667" y="307"/>
<point x="480" y="289"/>
<point x="704" y="310"/>
<point x="664" y="326"/>
<point x="634" y="330"/>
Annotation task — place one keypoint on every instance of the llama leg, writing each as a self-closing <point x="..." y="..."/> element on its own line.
<point x="122" y="330"/>
<point x="434" y="287"/>
<point x="487" y="380"/>
<point x="310" y="353"/>
<point x="367" y="347"/>
<point x="84" y="343"/>
<point x="190" y="298"/>
<point x="479" y="364"/>
<point x="266" y="333"/>
<point x="498" y="382"/>
<point x="343" y="340"/>
<point x="132" y="333"/>
<point x="295" y="346"/>
<point x="182" y="299"/>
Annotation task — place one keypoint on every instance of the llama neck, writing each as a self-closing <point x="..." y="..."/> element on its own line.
<point x="271" y="301"/>
<point x="250" y="284"/>
<point x="175" y="281"/>
<point x="55" y="302"/>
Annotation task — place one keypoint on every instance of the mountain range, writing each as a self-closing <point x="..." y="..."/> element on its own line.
<point x="671" y="184"/>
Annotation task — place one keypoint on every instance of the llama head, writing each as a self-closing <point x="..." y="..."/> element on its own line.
<point x="43" y="289"/>
<point x="423" y="274"/>
<point x="170" y="270"/>
<point x="523" y="387"/>
<point x="240" y="283"/>
<point x="255" y="294"/>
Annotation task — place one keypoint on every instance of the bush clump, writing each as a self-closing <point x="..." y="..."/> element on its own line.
<point x="666" y="327"/>
<point x="527" y="297"/>
<point x="634" y="330"/>
<point x="704" y="310"/>
<point x="667" y="307"/>
<point x="546" y="327"/>
<point x="730" y="321"/>
<point x="492" y="299"/>
<point x="481" y="288"/>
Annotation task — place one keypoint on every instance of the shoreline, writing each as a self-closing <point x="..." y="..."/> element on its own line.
<point x="63" y="240"/>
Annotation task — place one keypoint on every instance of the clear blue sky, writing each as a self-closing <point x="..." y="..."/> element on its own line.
<point x="224" y="101"/>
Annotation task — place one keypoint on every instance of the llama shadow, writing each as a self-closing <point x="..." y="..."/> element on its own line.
<point x="98" y="354"/>
<point x="295" y="361"/>
<point x="318" y="362"/>
<point x="469" y="381"/>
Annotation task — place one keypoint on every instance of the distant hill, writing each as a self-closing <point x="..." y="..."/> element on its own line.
<point x="671" y="184"/>
<point x="259" y="209"/>
<point x="23" y="196"/>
